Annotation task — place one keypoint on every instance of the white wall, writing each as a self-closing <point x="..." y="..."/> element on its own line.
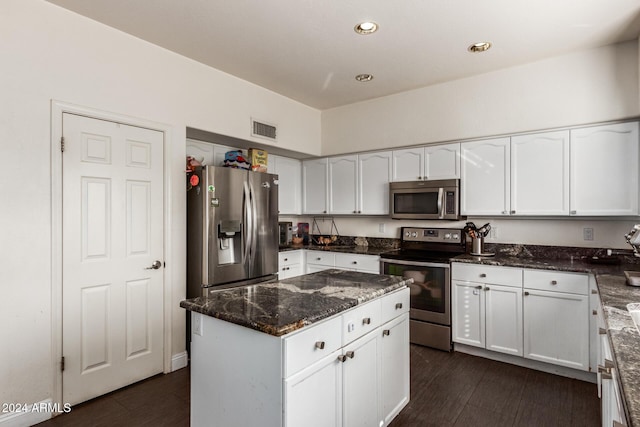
<point x="50" y="53"/>
<point x="578" y="88"/>
<point x="551" y="232"/>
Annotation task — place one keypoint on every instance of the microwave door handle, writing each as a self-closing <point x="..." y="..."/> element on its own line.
<point x="440" y="203"/>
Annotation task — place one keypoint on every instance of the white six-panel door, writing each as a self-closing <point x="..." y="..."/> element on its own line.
<point x="112" y="232"/>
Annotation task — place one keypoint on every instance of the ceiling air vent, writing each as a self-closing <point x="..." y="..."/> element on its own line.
<point x="263" y="130"/>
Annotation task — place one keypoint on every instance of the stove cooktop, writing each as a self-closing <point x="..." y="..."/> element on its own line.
<point x="420" y="255"/>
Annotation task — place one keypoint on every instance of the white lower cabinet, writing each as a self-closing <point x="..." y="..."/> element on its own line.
<point x="556" y="318"/>
<point x="364" y="383"/>
<point x="290" y="264"/>
<point x="394" y="376"/>
<point x="322" y="260"/>
<point x="323" y="381"/>
<point x="539" y="314"/>
<point x="487" y="307"/>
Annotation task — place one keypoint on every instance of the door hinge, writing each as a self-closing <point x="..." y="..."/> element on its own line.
<point x="62" y="144"/>
<point x="62" y="364"/>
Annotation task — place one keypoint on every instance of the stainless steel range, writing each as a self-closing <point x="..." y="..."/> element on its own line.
<point x="424" y="256"/>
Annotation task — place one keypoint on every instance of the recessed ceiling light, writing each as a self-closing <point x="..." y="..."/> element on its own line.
<point x="366" y="28"/>
<point x="479" y="47"/>
<point x="364" y="77"/>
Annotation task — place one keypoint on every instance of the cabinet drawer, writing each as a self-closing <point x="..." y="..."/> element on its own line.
<point x="321" y="258"/>
<point x="358" y="262"/>
<point x="555" y="281"/>
<point x="394" y="304"/>
<point x="311" y="344"/>
<point x="360" y="320"/>
<point x="289" y="258"/>
<point x="507" y="276"/>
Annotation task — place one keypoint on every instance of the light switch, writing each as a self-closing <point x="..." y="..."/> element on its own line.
<point x="196" y="323"/>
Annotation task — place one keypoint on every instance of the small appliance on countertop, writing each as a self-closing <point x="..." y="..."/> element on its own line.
<point x="285" y="233"/>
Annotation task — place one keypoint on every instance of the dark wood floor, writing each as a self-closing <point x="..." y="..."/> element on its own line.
<point x="447" y="389"/>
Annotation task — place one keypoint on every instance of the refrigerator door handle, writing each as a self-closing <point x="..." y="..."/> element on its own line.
<point x="254" y="226"/>
<point x="248" y="225"/>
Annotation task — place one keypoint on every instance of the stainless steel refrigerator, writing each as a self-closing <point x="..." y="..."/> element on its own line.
<point x="232" y="229"/>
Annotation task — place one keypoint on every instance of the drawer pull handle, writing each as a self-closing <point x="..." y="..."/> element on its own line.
<point x="486" y="288"/>
<point x="354" y="262"/>
<point x="526" y="294"/>
<point x="483" y="275"/>
<point x="351" y="354"/>
<point x="342" y="358"/>
<point x="479" y="287"/>
<point x="366" y="321"/>
<point x="386" y="332"/>
<point x="286" y="259"/>
<point x="594" y="312"/>
<point x="594" y="291"/>
<point x="398" y="306"/>
<point x="320" y="345"/>
<point x="602" y="331"/>
<point x="318" y="259"/>
<point x="554" y="282"/>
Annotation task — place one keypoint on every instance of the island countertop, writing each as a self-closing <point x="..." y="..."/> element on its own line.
<point x="278" y="308"/>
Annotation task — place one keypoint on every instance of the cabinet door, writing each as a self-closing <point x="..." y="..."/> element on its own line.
<point x="201" y="151"/>
<point x="408" y="165"/>
<point x="442" y="161"/>
<point x="556" y="328"/>
<point x="503" y="307"/>
<point x="374" y="174"/>
<point x="394" y="367"/>
<point x="467" y="313"/>
<point x="485" y="177"/>
<point x="314" y="186"/>
<point x="313" y="397"/>
<point x="343" y="177"/>
<point x="604" y="170"/>
<point x="540" y="174"/>
<point x="289" y="173"/>
<point x="360" y="382"/>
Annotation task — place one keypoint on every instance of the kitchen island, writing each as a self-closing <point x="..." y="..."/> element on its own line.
<point x="328" y="348"/>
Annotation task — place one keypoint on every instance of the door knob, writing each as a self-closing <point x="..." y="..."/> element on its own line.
<point x="156" y="265"/>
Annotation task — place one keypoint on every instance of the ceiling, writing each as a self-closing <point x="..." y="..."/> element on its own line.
<point x="308" y="51"/>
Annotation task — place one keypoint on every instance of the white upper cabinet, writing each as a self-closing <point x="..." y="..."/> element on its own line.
<point x="408" y="164"/>
<point x="540" y="174"/>
<point x="374" y="174"/>
<point x="485" y="183"/>
<point x="604" y="170"/>
<point x="289" y="173"/>
<point x="432" y="162"/>
<point x="442" y="161"/>
<point x="314" y="186"/>
<point x="359" y="184"/>
<point x="343" y="184"/>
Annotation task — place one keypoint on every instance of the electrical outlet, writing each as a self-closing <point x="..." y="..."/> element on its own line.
<point x="493" y="233"/>
<point x="196" y="323"/>
<point x="587" y="233"/>
<point x="381" y="227"/>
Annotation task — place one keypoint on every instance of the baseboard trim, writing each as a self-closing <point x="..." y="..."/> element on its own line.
<point x="179" y="361"/>
<point x="32" y="414"/>
<point x="527" y="363"/>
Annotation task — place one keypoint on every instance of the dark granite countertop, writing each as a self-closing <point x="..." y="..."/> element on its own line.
<point x="361" y="250"/>
<point x="278" y="308"/>
<point x="614" y="295"/>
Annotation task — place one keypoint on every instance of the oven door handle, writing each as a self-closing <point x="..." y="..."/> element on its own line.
<point x="440" y="203"/>
<point x="416" y="263"/>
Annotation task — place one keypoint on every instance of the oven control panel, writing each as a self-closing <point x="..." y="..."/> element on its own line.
<point x="440" y="235"/>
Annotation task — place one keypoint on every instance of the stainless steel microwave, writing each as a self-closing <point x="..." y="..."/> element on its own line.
<point x="438" y="199"/>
